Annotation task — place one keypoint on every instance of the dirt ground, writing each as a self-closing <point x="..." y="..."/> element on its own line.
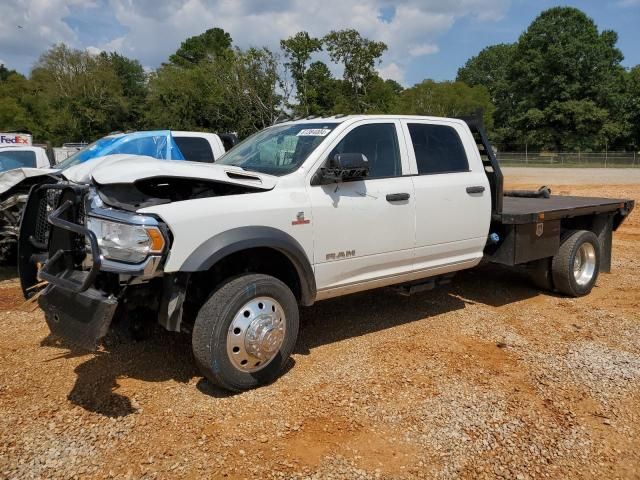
<point x="485" y="377"/>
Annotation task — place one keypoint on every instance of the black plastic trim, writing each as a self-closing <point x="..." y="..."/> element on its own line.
<point x="45" y="274"/>
<point x="244" y="238"/>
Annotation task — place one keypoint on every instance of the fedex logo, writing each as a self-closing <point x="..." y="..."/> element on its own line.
<point x="15" y="139"/>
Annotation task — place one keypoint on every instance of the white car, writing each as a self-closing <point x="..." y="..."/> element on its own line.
<point x="299" y="212"/>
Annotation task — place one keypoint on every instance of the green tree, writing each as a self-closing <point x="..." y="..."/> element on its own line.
<point x="632" y="106"/>
<point x="382" y="95"/>
<point x="446" y="99"/>
<point x="566" y="77"/>
<point x="237" y="92"/>
<point x="5" y="72"/>
<point x="80" y="96"/>
<point x="358" y="56"/>
<point x="133" y="81"/>
<point x="212" y="43"/>
<point x="490" y="68"/>
<point x="323" y="90"/>
<point x="298" y="50"/>
<point x="14" y="112"/>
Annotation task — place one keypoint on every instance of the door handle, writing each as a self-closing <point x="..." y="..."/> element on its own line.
<point x="397" y="197"/>
<point x="475" y="189"/>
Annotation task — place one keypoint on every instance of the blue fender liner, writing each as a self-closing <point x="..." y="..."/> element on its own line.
<point x="244" y="238"/>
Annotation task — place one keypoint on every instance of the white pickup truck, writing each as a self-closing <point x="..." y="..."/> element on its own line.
<point x="299" y="212"/>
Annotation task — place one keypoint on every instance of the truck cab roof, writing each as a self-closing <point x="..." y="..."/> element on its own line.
<point x="353" y="118"/>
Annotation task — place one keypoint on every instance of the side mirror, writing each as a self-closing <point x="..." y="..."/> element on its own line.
<point x="344" y="167"/>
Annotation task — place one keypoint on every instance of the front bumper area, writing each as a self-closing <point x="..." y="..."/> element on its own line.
<point x="80" y="318"/>
<point x="84" y="289"/>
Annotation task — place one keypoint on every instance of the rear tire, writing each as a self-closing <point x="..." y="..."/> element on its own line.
<point x="245" y="332"/>
<point x="576" y="265"/>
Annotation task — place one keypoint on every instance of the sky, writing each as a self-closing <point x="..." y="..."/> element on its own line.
<point x="426" y="38"/>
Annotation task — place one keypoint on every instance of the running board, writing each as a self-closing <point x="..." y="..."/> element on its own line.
<point x="409" y="288"/>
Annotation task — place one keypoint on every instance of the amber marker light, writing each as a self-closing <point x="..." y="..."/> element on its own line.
<point x="157" y="240"/>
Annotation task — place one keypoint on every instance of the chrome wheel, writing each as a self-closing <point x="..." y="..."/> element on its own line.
<point x="256" y="334"/>
<point x="584" y="264"/>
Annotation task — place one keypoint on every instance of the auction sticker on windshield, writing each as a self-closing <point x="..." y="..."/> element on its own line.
<point x="314" y="132"/>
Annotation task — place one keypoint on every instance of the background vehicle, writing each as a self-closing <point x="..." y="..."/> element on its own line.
<point x="15" y="139"/>
<point x="23" y="157"/>
<point x="14" y="162"/>
<point x="66" y="150"/>
<point x="24" y="170"/>
<point x="300" y="212"/>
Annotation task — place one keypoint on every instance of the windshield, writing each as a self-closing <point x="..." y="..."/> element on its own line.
<point x="278" y="150"/>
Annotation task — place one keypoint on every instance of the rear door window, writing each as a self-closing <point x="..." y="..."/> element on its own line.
<point x="195" y="149"/>
<point x="438" y="149"/>
<point x="17" y="159"/>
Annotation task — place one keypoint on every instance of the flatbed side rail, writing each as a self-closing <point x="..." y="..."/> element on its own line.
<point x="489" y="161"/>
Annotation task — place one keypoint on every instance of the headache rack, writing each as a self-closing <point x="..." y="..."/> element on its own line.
<point x="490" y="163"/>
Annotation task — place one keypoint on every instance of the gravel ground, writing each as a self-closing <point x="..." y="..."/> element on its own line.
<point x="483" y="378"/>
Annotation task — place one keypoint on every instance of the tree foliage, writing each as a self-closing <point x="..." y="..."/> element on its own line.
<point x="560" y="86"/>
<point x="490" y="68"/>
<point x="81" y="94"/>
<point x="235" y="92"/>
<point x="208" y="45"/>
<point x="447" y="99"/>
<point x="358" y="56"/>
<point x="298" y="50"/>
<point x="632" y="105"/>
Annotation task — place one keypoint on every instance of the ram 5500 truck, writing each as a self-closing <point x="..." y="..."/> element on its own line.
<point x="297" y="213"/>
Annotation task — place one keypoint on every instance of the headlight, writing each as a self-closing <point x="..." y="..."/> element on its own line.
<point x="126" y="242"/>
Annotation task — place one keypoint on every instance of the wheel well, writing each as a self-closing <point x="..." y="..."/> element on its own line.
<point x="265" y="260"/>
<point x="600" y="224"/>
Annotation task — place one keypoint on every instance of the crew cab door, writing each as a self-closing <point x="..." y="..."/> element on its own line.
<point x="452" y="195"/>
<point x="364" y="229"/>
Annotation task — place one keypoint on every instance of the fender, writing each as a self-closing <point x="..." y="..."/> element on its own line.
<point x="244" y="238"/>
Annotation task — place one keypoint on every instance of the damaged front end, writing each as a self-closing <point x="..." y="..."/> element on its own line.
<point x="78" y="246"/>
<point x="103" y="262"/>
<point x="10" y="213"/>
<point x="13" y="199"/>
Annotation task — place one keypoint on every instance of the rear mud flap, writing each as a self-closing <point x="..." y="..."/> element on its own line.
<point x="82" y="319"/>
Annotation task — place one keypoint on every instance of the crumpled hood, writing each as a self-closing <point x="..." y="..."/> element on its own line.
<point x="115" y="169"/>
<point x="11" y="178"/>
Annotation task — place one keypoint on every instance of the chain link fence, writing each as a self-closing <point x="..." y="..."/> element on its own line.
<point x="570" y="159"/>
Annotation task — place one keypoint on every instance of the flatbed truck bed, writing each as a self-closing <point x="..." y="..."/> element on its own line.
<point x="528" y="230"/>
<point x="519" y="210"/>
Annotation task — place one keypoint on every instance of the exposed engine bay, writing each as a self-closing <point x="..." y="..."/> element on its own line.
<point x="12" y="202"/>
<point x="160" y="190"/>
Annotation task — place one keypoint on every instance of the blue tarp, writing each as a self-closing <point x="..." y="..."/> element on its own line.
<point x="157" y="144"/>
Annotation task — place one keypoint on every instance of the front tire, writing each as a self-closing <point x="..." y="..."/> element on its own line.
<point x="245" y="332"/>
<point x="576" y="265"/>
